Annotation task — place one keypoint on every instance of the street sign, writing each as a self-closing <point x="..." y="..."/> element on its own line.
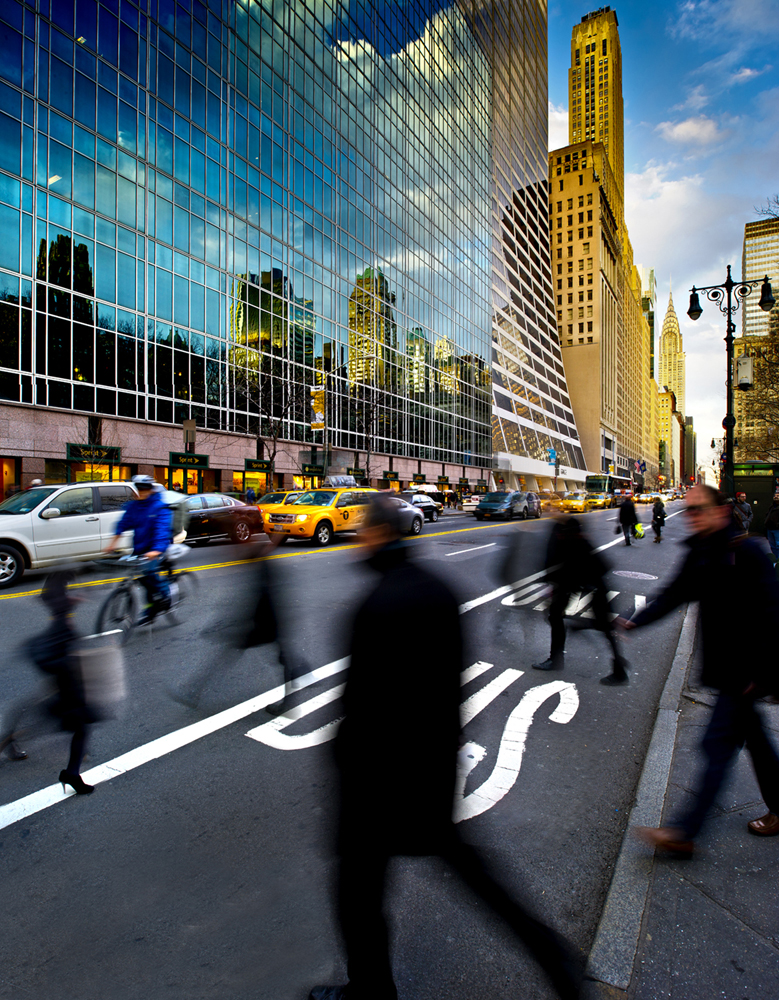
<point x="187" y="460"/>
<point x="94" y="453"/>
<point x="313" y="470"/>
<point x="391" y="476"/>
<point x="256" y="465"/>
<point x="190" y="431"/>
<point x="552" y="456"/>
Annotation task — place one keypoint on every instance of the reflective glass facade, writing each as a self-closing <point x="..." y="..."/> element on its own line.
<point x="205" y="204"/>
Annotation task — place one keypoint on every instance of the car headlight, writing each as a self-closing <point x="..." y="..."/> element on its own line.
<point x="302" y="517"/>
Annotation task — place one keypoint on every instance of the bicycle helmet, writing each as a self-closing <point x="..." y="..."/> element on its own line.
<point x="144" y="482"/>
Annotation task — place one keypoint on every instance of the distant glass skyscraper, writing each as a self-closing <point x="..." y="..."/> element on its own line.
<point x="205" y="204"/>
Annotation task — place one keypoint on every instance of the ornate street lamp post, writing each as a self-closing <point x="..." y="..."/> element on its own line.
<point x="723" y="296"/>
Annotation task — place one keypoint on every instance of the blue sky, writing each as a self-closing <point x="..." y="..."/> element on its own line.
<point x="701" y="88"/>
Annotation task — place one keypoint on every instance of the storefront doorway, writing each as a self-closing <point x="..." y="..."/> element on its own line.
<point x="186" y="480"/>
<point x="8" y="478"/>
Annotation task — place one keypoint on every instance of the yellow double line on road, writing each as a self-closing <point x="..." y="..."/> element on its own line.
<point x="276" y="555"/>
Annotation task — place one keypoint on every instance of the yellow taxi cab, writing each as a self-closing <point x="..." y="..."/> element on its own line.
<point x="576" y="502"/>
<point x="598" y="501"/>
<point x="319" y="514"/>
<point x="270" y="501"/>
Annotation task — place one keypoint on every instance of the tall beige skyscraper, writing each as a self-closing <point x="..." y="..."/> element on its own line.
<point x="603" y="326"/>
<point x="671" y="366"/>
<point x="760" y="257"/>
<point x="595" y="87"/>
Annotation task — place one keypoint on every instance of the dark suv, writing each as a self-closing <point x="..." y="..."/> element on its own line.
<point x="508" y="505"/>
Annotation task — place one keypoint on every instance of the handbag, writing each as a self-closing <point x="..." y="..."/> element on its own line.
<point x="638" y="531"/>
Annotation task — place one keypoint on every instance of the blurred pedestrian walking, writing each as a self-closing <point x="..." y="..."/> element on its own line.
<point x="387" y="810"/>
<point x="658" y="519"/>
<point x="54" y="653"/>
<point x="725" y="572"/>
<point x="628" y="518"/>
<point x="251" y="496"/>
<point x="742" y="514"/>
<point x="573" y="567"/>
<point x="771" y="525"/>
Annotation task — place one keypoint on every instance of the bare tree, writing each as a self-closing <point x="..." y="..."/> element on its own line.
<point x="771" y="208"/>
<point x="272" y="392"/>
<point x="372" y="414"/>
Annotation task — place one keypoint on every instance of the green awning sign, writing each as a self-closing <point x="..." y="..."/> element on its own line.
<point x="419" y="477"/>
<point x="357" y="473"/>
<point x="391" y="476"/>
<point x="313" y="470"/>
<point x="94" y="453"/>
<point x="443" y="480"/>
<point x="256" y="465"/>
<point x="187" y="460"/>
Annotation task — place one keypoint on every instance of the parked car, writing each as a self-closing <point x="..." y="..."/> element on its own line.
<point x="469" y="504"/>
<point x="45" y="525"/>
<point x="411" y="517"/>
<point x="318" y="515"/>
<point x="507" y="505"/>
<point x="216" y="515"/>
<point x="423" y="502"/>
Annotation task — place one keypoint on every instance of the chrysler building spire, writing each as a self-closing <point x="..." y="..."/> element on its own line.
<point x="671" y="369"/>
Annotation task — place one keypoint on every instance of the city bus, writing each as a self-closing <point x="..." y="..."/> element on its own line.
<point x="614" y="486"/>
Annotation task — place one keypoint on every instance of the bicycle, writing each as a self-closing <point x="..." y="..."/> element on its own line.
<point x="121" y="609"/>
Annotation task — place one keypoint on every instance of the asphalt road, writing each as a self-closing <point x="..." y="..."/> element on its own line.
<point x="203" y="868"/>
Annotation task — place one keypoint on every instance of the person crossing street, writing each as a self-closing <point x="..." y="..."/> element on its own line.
<point x="628" y="518"/>
<point x="658" y="519"/>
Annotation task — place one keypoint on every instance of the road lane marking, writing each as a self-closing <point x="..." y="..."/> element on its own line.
<point x="512" y="748"/>
<point x="474" y="549"/>
<point x="12" y="812"/>
<point x="640" y="602"/>
<point x="474" y="671"/>
<point x="477" y="702"/>
<point x="276" y="555"/>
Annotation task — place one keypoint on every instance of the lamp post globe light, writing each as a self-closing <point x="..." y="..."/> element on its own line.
<point x="727" y="297"/>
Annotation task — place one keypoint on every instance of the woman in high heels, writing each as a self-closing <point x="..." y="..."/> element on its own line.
<point x="54" y="653"/>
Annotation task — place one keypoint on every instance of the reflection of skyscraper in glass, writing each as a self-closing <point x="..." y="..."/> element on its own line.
<point x="417" y="361"/>
<point x="372" y="329"/>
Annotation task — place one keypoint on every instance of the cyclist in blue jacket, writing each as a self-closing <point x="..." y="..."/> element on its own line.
<point x="151" y="521"/>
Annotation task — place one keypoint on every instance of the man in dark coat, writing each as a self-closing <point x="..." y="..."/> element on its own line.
<point x="574" y="567"/>
<point x="627" y="518"/>
<point x="658" y="519"/>
<point x="387" y="810"/>
<point x="719" y="566"/>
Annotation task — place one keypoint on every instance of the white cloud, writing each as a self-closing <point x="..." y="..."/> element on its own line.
<point x="558" y="126"/>
<point x="700" y="131"/>
<point x="697" y="98"/>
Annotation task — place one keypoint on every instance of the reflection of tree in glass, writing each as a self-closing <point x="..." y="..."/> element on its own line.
<point x="60" y="257"/>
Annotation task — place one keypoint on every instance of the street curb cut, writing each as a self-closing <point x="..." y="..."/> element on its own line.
<point x="616" y="941"/>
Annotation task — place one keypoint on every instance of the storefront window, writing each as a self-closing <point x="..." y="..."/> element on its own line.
<point x="84" y="472"/>
<point x="186" y="480"/>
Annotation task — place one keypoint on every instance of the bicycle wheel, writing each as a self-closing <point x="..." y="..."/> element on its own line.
<point x="118" y="611"/>
<point x="183" y="593"/>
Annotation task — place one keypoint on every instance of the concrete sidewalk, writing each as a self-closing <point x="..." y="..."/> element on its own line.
<point x="703" y="928"/>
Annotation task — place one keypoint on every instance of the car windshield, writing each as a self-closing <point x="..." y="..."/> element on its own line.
<point x="315" y="498"/>
<point x="272" y="498"/>
<point x="23" y="503"/>
<point x="597" y="496"/>
<point x="495" y="497"/>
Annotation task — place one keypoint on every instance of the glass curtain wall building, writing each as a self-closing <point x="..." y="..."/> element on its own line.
<point x="211" y="208"/>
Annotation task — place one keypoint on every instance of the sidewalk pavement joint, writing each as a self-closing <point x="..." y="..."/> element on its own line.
<point x="614" y="950"/>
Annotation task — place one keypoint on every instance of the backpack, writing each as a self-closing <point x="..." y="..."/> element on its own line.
<point x="180" y="512"/>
